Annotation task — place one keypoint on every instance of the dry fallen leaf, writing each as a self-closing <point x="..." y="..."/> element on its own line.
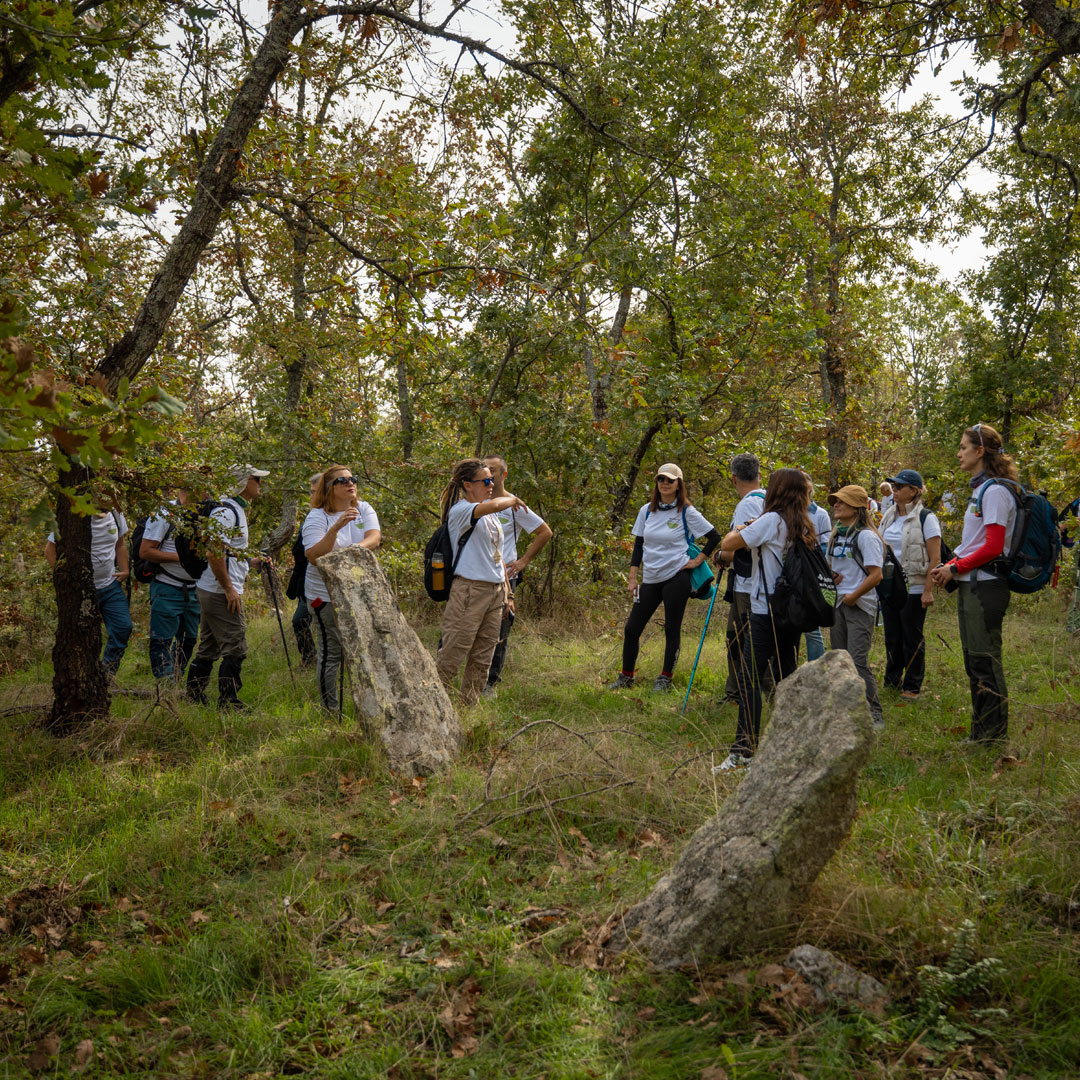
<point x="84" y="1054"/>
<point x="198" y="916"/>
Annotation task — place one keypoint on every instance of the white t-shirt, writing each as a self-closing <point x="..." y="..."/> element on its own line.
<point x="749" y="507"/>
<point x="105" y="530"/>
<point x="232" y="528"/>
<point x="822" y="523"/>
<point x="871" y="551"/>
<point x="515" y="522"/>
<point x="769" y="534"/>
<point x="482" y="557"/>
<point x="894" y="537"/>
<point x="162" y="528"/>
<point x="317" y="524"/>
<point x="664" y="552"/>
<point x="998" y="508"/>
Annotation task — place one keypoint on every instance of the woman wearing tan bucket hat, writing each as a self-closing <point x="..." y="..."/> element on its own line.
<point x="856" y="555"/>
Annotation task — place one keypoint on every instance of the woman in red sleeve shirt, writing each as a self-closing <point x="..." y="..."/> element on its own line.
<point x="983" y="595"/>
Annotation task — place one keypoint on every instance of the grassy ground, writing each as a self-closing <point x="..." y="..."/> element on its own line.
<point x="189" y="894"/>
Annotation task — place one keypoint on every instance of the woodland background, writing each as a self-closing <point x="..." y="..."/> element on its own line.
<point x="590" y="236"/>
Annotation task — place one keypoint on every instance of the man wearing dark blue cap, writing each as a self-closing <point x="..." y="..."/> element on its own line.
<point x="914" y="534"/>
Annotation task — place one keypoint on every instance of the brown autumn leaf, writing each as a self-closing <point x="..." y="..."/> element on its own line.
<point x="22" y="353"/>
<point x="6" y="925"/>
<point x="68" y="441"/>
<point x="458" y="1019"/>
<point x="48" y="1046"/>
<point x="98" y="182"/>
<point x="219" y="805"/>
<point x="198" y="916"/>
<point x="714" y="1072"/>
<point x="772" y="975"/>
<point x="84" y="1055"/>
<point x="31" y="954"/>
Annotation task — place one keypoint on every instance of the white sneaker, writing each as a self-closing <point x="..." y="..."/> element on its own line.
<point x="732" y="761"/>
<point x="489" y="692"/>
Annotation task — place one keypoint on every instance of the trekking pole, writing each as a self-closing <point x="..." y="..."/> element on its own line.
<point x="277" y="611"/>
<point x="701" y="643"/>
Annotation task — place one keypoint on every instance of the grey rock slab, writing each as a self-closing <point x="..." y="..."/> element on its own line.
<point x="832" y="979"/>
<point x="743" y="875"/>
<point x="400" y="701"/>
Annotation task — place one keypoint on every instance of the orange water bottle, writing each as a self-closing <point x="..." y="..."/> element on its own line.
<point x="437" y="575"/>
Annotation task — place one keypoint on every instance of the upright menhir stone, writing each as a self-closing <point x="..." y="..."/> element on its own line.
<point x="742" y="877"/>
<point x="400" y="702"/>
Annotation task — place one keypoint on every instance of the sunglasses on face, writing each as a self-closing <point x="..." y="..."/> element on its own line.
<point x="487" y="481"/>
<point x="666" y="480"/>
<point x="351" y="480"/>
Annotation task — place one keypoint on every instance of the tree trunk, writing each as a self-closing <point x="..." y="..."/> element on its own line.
<point x="626" y="488"/>
<point x="80" y="685"/>
<point x="81" y="695"/>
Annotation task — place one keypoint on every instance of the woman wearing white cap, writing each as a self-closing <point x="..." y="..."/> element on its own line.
<point x="662" y="534"/>
<point x="914" y="535"/>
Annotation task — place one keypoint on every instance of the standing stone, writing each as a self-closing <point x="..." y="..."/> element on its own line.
<point x="399" y="699"/>
<point x="743" y="875"/>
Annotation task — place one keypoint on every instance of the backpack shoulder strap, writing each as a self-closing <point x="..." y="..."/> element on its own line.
<point x="686" y="528"/>
<point x="1012" y="485"/>
<point x="463" y="539"/>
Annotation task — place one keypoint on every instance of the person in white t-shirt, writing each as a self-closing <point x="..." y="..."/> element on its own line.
<point x="983" y="592"/>
<point x="815" y="643"/>
<point x="479" y="590"/>
<point x="337" y="519"/>
<point x="109" y="559"/>
<point x="856" y="555"/>
<point x="888" y="496"/>
<point x="174" y="607"/>
<point x="786" y="514"/>
<point x="220" y="588"/>
<point x="746" y="479"/>
<point x="663" y="530"/>
<point x="514" y="523"/>
<point x="913" y="533"/>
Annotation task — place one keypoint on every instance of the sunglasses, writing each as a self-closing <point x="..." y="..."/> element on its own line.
<point x="666" y="480"/>
<point x="487" y="481"/>
<point x="351" y="480"/>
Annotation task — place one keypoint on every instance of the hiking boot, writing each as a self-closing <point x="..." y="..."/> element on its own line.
<point x="229" y="683"/>
<point x="908" y="696"/>
<point x="489" y="691"/>
<point x="623" y="682"/>
<point x="198" y="679"/>
<point x="662" y="684"/>
<point x="731" y="762"/>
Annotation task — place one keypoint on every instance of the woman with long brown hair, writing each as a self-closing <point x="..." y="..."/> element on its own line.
<point x="479" y="590"/>
<point x="983" y="588"/>
<point x="337" y="519"/>
<point x="786" y="515"/>
<point x="662" y="533"/>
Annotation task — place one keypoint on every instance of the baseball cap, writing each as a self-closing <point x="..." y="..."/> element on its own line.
<point x="906" y="476"/>
<point x="670" y="470"/>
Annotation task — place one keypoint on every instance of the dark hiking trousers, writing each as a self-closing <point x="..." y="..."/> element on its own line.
<point x="673" y="593"/>
<point x="980" y="608"/>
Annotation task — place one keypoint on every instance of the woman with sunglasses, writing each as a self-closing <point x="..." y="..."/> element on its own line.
<point x="660" y="531"/>
<point x="983" y="593"/>
<point x="479" y="589"/>
<point x="337" y="519"/>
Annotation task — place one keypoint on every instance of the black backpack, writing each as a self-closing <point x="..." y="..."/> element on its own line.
<point x="440" y="561"/>
<point x="194" y="538"/>
<point x="295" y="589"/>
<point x="1036" y="541"/>
<point x="142" y="570"/>
<point x="892" y="589"/>
<point x="798" y="602"/>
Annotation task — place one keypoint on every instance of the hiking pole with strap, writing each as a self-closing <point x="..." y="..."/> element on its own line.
<point x="277" y="611"/>
<point x="701" y="643"/>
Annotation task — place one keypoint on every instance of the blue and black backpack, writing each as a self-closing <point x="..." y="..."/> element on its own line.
<point x="1036" y="545"/>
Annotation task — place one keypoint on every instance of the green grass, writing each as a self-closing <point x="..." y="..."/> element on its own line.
<point x="252" y="896"/>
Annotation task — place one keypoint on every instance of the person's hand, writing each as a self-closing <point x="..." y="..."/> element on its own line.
<point x="631" y="581"/>
<point x="515" y="568"/>
<point x="695" y="562"/>
<point x="836" y="578"/>
<point x="850" y="600"/>
<point x="940" y="575"/>
<point x="350" y="515"/>
<point x="927" y="598"/>
<point x="122" y="576"/>
<point x="232" y="600"/>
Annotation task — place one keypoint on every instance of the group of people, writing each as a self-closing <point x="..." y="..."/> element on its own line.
<point x="194" y="622"/>
<point x="768" y="520"/>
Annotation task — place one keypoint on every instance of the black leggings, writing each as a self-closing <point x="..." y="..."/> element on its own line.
<point x="674" y="593"/>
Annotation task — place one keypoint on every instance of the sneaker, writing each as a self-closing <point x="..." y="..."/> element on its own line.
<point x="623" y="682"/>
<point x="879" y="723"/>
<point x="908" y="696"/>
<point x="489" y="692"/>
<point x="732" y="761"/>
<point x="662" y="684"/>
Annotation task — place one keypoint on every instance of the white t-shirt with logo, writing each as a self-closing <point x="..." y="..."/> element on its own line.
<point x="998" y="508"/>
<point x="317" y="524"/>
<point x="482" y="557"/>
<point x="162" y="528"/>
<point x="105" y="530"/>
<point x="232" y="528"/>
<point x="894" y="537"/>
<point x="514" y="523"/>
<point x="750" y="506"/>
<point x="664" y="552"/>
<point x="766" y="538"/>
<point x="842" y="560"/>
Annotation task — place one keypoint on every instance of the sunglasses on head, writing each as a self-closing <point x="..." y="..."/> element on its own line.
<point x="344" y="480"/>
